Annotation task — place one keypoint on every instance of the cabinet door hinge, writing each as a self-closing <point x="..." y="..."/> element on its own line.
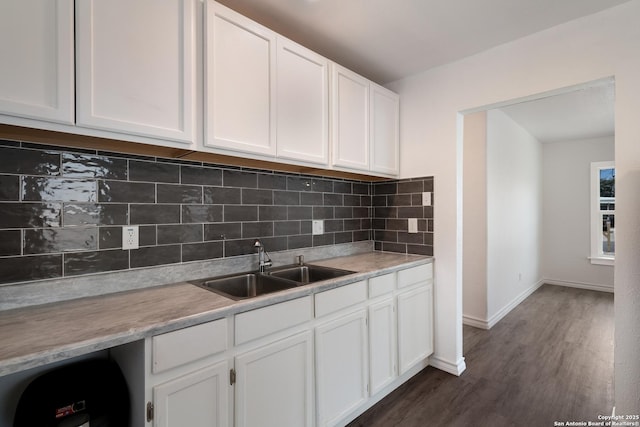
<point x="232" y="376"/>
<point x="149" y="412"/>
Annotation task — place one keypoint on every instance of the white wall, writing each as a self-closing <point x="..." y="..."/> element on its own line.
<point x="514" y="214"/>
<point x="594" y="47"/>
<point x="474" y="254"/>
<point x="502" y="216"/>
<point x="566" y="213"/>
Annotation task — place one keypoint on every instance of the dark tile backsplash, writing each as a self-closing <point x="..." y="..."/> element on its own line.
<point x="393" y="203"/>
<point x="29" y="215"/>
<point x="9" y="187"/>
<point x="76" y="165"/>
<point x="31" y="162"/>
<point x="62" y="211"/>
<point x="10" y="242"/>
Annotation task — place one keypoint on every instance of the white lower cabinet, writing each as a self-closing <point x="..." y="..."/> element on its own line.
<point x="274" y="365"/>
<point x="415" y="326"/>
<point x="315" y="360"/>
<point x="274" y="384"/>
<point x="188" y="377"/>
<point x="198" y="399"/>
<point x="382" y="344"/>
<point x="341" y="366"/>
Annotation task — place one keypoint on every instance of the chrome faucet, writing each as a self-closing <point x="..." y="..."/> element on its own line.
<point x="263" y="259"/>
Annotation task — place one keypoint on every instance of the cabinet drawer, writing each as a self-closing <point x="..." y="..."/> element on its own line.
<point x="264" y="321"/>
<point x="381" y="285"/>
<point x="414" y="275"/>
<point x="188" y="345"/>
<point x="339" y="298"/>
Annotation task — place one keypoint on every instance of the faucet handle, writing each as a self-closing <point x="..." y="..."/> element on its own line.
<point x="300" y="259"/>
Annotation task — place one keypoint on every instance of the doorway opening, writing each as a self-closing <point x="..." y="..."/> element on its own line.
<point x="527" y="197"/>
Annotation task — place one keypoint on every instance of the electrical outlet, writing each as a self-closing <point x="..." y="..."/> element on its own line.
<point x="413" y="225"/>
<point x="130" y="239"/>
<point x="426" y="198"/>
<point x="317" y="226"/>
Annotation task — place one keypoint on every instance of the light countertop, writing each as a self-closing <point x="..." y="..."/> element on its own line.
<point x="42" y="334"/>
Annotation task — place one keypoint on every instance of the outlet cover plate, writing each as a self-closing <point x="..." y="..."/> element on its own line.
<point x="426" y="198"/>
<point x="130" y="237"/>
<point x="317" y="226"/>
<point x="413" y="225"/>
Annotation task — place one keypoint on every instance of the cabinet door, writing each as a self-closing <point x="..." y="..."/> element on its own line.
<point x="275" y="384"/>
<point x="199" y="399"/>
<point x="240" y="82"/>
<point x="303" y="107"/>
<point x="384" y="136"/>
<point x="341" y="366"/>
<point x="36" y="69"/>
<point x="415" y="326"/>
<point x="382" y="344"/>
<point x="136" y="67"/>
<point x="350" y="119"/>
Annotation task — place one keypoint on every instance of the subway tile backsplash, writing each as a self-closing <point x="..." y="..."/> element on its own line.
<point x="62" y="211"/>
<point x="393" y="203"/>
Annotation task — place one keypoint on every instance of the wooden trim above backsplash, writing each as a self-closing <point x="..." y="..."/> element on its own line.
<point x="95" y="143"/>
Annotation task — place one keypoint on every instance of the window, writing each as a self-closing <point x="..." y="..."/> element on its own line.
<point x="603" y="213"/>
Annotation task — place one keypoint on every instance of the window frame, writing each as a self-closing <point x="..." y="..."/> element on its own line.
<point x="597" y="256"/>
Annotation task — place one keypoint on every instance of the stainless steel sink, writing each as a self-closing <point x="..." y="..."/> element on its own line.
<point x="249" y="285"/>
<point x="308" y="273"/>
<point x="246" y="285"/>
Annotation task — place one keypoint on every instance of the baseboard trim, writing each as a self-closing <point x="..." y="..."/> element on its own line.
<point x="489" y="323"/>
<point x="381" y="394"/>
<point x="579" y="285"/>
<point x="513" y="304"/>
<point x="475" y="322"/>
<point x="450" y="367"/>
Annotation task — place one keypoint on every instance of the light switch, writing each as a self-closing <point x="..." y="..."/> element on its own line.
<point x="426" y="198"/>
<point x="413" y="225"/>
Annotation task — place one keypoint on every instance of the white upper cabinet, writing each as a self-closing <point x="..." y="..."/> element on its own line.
<point x="303" y="107"/>
<point x="384" y="134"/>
<point x="240" y="64"/>
<point x="36" y="69"/>
<point x="350" y="119"/>
<point x="136" y="67"/>
<point x="365" y="124"/>
<point x="189" y="74"/>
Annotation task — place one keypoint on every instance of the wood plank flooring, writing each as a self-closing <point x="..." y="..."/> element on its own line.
<point x="550" y="359"/>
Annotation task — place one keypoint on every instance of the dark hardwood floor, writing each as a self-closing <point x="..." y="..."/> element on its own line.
<point x="550" y="359"/>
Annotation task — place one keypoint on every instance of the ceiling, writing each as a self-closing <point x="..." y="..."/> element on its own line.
<point x="386" y="40"/>
<point x="580" y="114"/>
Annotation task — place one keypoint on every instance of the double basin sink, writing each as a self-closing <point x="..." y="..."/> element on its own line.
<point x="253" y="284"/>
